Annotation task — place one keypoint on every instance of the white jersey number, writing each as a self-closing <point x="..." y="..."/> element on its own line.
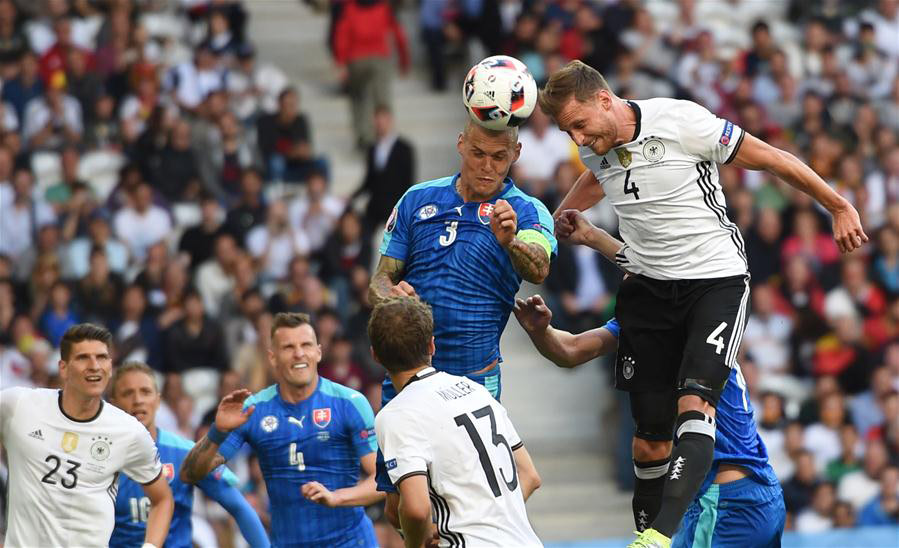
<point x="715" y="339"/>
<point x="483" y="456"/>
<point x="450" y="236"/>
<point x="140" y="509"/>
<point x="296" y="458"/>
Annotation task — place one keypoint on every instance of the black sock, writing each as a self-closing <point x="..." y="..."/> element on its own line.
<point x="648" y="488"/>
<point x="691" y="460"/>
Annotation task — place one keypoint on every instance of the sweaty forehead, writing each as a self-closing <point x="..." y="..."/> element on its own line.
<point x="490" y="143"/>
<point x="571" y="111"/>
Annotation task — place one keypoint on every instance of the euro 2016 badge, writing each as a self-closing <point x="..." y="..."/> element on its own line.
<point x="485" y="211"/>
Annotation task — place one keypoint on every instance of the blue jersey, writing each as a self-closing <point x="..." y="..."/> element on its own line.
<point x="132" y="506"/>
<point x="318" y="439"/>
<point x="455" y="264"/>
<point x="736" y="440"/>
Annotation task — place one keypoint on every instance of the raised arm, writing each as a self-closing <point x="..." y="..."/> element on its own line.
<point x="528" y="250"/>
<point x="204" y="457"/>
<point x="365" y="491"/>
<point x="560" y="347"/>
<point x="387" y="281"/>
<point x="585" y="193"/>
<point x="162" y="504"/>
<point x="757" y="155"/>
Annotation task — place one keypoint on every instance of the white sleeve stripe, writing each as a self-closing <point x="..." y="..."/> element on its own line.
<point x="733" y="153"/>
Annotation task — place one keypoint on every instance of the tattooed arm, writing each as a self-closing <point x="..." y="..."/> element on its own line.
<point x="530" y="260"/>
<point x="204" y="456"/>
<point x="387" y="281"/>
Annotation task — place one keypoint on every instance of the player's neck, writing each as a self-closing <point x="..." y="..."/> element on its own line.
<point x="78" y="406"/>
<point x="402" y="378"/>
<point x="154" y="433"/>
<point x="296" y="394"/>
<point x="625" y="121"/>
<point x="468" y="196"/>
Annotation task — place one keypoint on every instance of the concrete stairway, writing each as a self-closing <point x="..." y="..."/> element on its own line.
<point x="557" y="412"/>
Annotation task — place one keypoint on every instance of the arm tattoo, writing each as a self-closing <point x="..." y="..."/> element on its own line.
<point x="529" y="260"/>
<point x="389" y="273"/>
<point x="201" y="459"/>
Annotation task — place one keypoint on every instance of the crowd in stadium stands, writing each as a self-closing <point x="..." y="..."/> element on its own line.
<point x="145" y="149"/>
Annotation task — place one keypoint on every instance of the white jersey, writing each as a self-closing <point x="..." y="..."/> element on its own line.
<point x="664" y="187"/>
<point x="451" y="430"/>
<point x="64" y="472"/>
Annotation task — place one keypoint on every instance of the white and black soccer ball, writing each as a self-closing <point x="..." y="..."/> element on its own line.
<point x="499" y="92"/>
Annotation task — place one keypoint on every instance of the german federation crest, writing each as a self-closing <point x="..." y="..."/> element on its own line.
<point x="653" y="150"/>
<point x="485" y="211"/>
<point x="321" y="417"/>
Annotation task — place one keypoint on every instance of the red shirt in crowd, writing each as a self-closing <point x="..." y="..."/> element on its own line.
<point x="363" y="31"/>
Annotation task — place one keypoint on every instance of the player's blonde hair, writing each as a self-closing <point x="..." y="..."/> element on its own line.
<point x="130" y="367"/>
<point x="400" y="330"/>
<point x="575" y="79"/>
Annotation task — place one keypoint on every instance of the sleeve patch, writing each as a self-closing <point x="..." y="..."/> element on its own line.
<point x="391" y="464"/>
<point x="726" y="133"/>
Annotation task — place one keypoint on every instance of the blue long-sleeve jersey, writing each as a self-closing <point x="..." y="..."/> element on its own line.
<point x="737" y="440"/>
<point x="455" y="264"/>
<point x="318" y="439"/>
<point x="132" y="507"/>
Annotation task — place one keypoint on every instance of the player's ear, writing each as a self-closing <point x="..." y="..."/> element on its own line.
<point x="62" y="370"/>
<point x="373" y="355"/>
<point x="517" y="152"/>
<point x="431" y="347"/>
<point x="459" y="142"/>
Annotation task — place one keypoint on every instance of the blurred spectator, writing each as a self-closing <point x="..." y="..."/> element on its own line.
<point x="254" y="87"/>
<point x="883" y="509"/>
<point x="176" y="177"/>
<point x="137" y="109"/>
<point x="843" y="515"/>
<point x="232" y="152"/>
<point x="886" y="264"/>
<point x="819" y="516"/>
<point x="192" y="80"/>
<point x="59" y="314"/>
<point x="316" y="212"/>
<point x="240" y="327"/>
<point x="866" y="412"/>
<point x="859" y="487"/>
<point x="432" y="20"/>
<point x="543" y="148"/>
<point x="220" y="38"/>
<point x="214" y="278"/>
<point x="76" y="258"/>
<point x="56" y="59"/>
<point x="250" y="360"/>
<point x="767" y="333"/>
<point x="141" y="223"/>
<point x="810" y="242"/>
<point x="83" y="84"/>
<point x="59" y="194"/>
<point x="763" y="242"/>
<point x="194" y="341"/>
<point x="245" y="281"/>
<point x="53" y="119"/>
<point x="771" y="428"/>
<point x="389" y="171"/>
<point x="249" y="209"/>
<point x="13" y="41"/>
<point x="273" y="244"/>
<point x="285" y="141"/>
<point x="339" y="366"/>
<point x="822" y="438"/>
<point x="362" y="53"/>
<point x="798" y="489"/>
<point x="197" y="241"/>
<point x="99" y="293"/>
<point x="22" y="89"/>
<point x="135" y="333"/>
<point x="289" y="295"/>
<point x="22" y="216"/>
<point x="848" y="461"/>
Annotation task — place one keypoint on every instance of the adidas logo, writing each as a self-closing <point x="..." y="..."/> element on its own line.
<point x="604" y="164"/>
<point x="37" y="434"/>
<point x="678" y="468"/>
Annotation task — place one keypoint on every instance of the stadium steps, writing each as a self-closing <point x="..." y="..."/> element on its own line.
<point x="559" y="413"/>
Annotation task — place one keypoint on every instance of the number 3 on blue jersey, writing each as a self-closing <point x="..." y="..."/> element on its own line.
<point x="450" y="236"/>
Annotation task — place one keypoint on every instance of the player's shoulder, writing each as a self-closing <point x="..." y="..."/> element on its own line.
<point x="16" y="394"/>
<point x="164" y="438"/>
<point x="664" y="110"/>
<point x="345" y="395"/>
<point x="114" y="416"/>
<point x="516" y="197"/>
<point x="429" y="190"/>
<point x="262" y="398"/>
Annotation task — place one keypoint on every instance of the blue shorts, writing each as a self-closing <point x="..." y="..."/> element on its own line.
<point x="490" y="380"/>
<point x="741" y="513"/>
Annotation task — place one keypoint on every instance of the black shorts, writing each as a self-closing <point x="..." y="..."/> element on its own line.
<point x="679" y="335"/>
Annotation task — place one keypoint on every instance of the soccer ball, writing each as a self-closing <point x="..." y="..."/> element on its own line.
<point x="499" y="92"/>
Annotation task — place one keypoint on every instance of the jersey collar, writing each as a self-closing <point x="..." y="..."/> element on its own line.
<point x="423" y="374"/>
<point x="639" y="116"/>
<point x="73" y="419"/>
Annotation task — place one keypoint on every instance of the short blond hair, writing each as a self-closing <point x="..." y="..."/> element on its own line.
<point x="130" y="367"/>
<point x="575" y="79"/>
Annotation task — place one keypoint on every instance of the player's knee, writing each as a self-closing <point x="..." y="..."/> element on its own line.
<point x="693" y="402"/>
<point x="650" y="450"/>
<point x="694" y="422"/>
